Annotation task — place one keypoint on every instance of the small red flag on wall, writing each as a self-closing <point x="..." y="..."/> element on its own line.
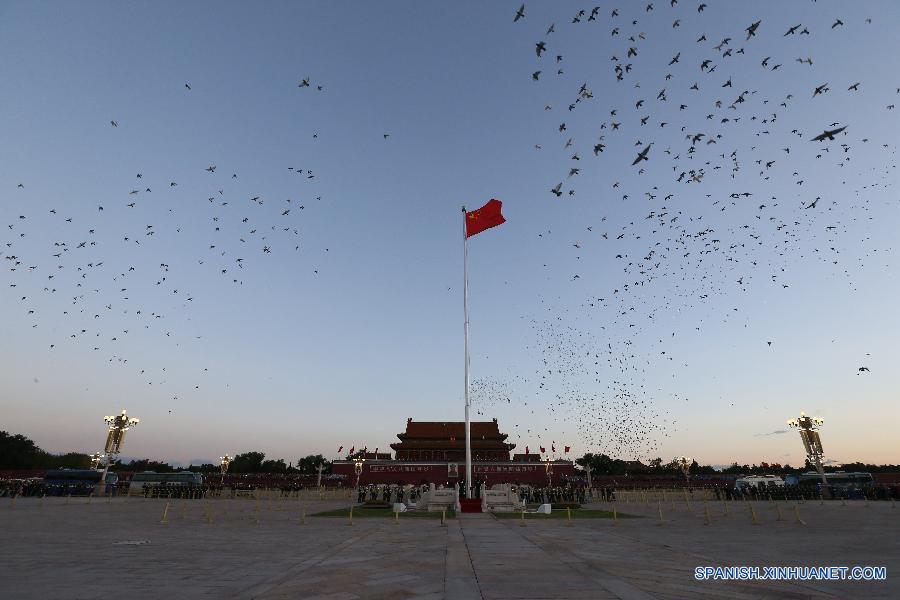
<point x="485" y="217"/>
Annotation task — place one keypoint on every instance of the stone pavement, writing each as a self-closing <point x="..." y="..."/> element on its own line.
<point x="97" y="550"/>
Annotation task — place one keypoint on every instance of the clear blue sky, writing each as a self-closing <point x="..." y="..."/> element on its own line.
<point x="339" y="341"/>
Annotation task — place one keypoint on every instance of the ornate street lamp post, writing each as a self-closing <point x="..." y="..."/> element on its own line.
<point x="358" y="467"/>
<point x="812" y="443"/>
<point x="549" y="467"/>
<point x="685" y="463"/>
<point x="224" y="463"/>
<point x="115" y="439"/>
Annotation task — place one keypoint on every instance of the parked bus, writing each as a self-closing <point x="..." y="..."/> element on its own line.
<point x="150" y="479"/>
<point x="760" y="482"/>
<point x="76" y="482"/>
<point x="843" y="485"/>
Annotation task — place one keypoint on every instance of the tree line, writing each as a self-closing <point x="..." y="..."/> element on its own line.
<point x="601" y="464"/>
<point x="20" y="452"/>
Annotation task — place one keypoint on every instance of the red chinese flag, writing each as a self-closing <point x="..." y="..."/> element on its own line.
<point x="526" y="451"/>
<point x="352" y="449"/>
<point x="484" y="218"/>
<point x="553" y="447"/>
<point x="339" y="449"/>
<point x="567" y="449"/>
<point x="542" y="449"/>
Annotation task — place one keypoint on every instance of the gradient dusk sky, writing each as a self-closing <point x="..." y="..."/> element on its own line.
<point x="344" y="317"/>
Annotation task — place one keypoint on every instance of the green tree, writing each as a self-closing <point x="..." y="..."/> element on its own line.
<point x="204" y="468"/>
<point x="273" y="466"/>
<point x="18" y="452"/>
<point x="601" y="464"/>
<point x="143" y="464"/>
<point x="248" y="462"/>
<point x="69" y="460"/>
<point x="309" y="465"/>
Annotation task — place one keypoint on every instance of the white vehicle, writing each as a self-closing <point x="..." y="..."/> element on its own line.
<point x="760" y="482"/>
<point x="150" y="478"/>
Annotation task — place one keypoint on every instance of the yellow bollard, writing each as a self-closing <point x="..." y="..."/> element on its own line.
<point x="256" y="517"/>
<point x="444" y="518"/>
<point x="821" y="500"/>
<point x="396" y="517"/>
<point x="522" y="520"/>
<point x="351" y="516"/>
<point x="303" y="517"/>
<point x="12" y="504"/>
<point x="67" y="498"/>
<point x="90" y="497"/>
<point x="183" y="514"/>
<point x="778" y="512"/>
<point x="568" y="516"/>
<point x="615" y="516"/>
<point x="753" y="517"/>
<point x="659" y="508"/>
<point x="165" y="515"/>
<point x="43" y="499"/>
<point x="799" y="521"/>
<point x="109" y="497"/>
<point x="705" y="513"/>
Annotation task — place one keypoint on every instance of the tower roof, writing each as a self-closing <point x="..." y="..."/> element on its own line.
<point x="416" y="430"/>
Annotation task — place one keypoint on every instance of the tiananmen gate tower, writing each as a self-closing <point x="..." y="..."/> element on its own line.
<point x="434" y="452"/>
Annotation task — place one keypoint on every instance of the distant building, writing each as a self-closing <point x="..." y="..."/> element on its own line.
<point x="435" y="452"/>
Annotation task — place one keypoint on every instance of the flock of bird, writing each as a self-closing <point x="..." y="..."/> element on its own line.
<point x="721" y="200"/>
<point x="688" y="129"/>
<point x="107" y="267"/>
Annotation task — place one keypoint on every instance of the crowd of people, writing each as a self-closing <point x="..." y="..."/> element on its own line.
<point x="807" y="492"/>
<point x="530" y="494"/>
<point x="391" y="493"/>
<point x="553" y="494"/>
<point x="10" y="488"/>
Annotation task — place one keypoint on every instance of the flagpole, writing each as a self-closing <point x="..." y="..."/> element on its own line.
<point x="466" y="369"/>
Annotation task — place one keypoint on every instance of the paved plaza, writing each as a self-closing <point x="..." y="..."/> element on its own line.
<point x="243" y="549"/>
